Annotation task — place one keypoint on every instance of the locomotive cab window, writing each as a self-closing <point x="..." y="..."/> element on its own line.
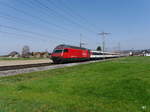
<point x="65" y="50"/>
<point x="58" y="51"/>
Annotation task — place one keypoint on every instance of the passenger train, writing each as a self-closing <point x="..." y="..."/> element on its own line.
<point x="67" y="53"/>
<point x="102" y="55"/>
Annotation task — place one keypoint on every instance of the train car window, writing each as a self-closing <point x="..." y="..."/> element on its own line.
<point x="95" y="53"/>
<point x="65" y="50"/>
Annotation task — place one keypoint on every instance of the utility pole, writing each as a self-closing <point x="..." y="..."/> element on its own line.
<point x="103" y="34"/>
<point x="81" y="43"/>
<point x="119" y="47"/>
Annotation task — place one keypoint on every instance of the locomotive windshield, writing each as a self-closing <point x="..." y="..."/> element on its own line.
<point x="58" y="51"/>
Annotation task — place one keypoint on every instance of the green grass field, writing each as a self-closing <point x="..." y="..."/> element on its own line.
<point x="121" y="85"/>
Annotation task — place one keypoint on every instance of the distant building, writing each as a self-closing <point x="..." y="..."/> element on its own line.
<point x="13" y="54"/>
<point x="147" y="54"/>
<point x="40" y="54"/>
<point x="131" y="53"/>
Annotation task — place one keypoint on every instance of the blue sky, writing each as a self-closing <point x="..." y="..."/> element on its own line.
<point x="43" y="24"/>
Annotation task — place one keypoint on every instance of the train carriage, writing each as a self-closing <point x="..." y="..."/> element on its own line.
<point x="101" y="55"/>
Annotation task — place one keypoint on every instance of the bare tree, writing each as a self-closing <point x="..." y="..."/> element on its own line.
<point x="26" y="51"/>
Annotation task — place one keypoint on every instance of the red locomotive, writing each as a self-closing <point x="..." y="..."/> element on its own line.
<point x="67" y="53"/>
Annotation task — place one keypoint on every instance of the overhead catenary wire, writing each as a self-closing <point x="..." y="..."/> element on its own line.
<point x="67" y="9"/>
<point x="67" y="5"/>
<point x="29" y="32"/>
<point x="54" y="12"/>
<point x="32" y="5"/>
<point x="33" y="16"/>
<point x="70" y="15"/>
<point x="62" y="16"/>
<point x="8" y="17"/>
<point x="22" y="35"/>
<point x="43" y="20"/>
<point x="25" y="13"/>
<point x="21" y="11"/>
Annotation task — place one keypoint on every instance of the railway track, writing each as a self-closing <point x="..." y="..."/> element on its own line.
<point x="21" y="69"/>
<point x="13" y="67"/>
<point x="15" y="70"/>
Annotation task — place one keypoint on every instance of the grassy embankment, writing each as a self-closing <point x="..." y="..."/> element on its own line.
<point x="121" y="85"/>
